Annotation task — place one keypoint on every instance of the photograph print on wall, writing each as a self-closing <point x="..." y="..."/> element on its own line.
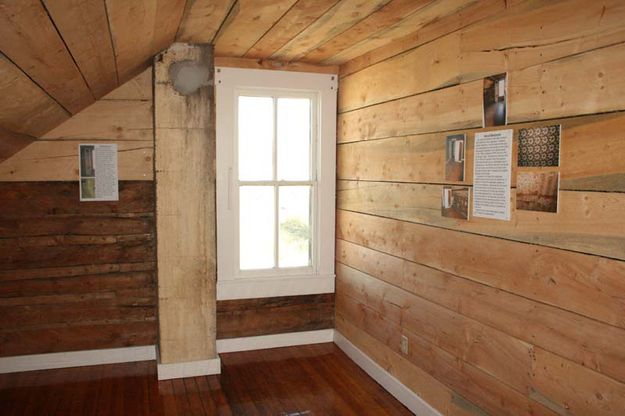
<point x="537" y="191"/>
<point x="495" y="96"/>
<point x="539" y="146"/>
<point x="454" y="157"/>
<point x="455" y="202"/>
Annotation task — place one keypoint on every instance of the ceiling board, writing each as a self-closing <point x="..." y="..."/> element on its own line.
<point x="338" y="19"/>
<point x="247" y="23"/>
<point x="89" y="43"/>
<point x="298" y="18"/>
<point x="24" y="107"/>
<point x="202" y="19"/>
<point x="428" y="24"/>
<point x="29" y="39"/>
<point x="141" y="29"/>
<point x="389" y="15"/>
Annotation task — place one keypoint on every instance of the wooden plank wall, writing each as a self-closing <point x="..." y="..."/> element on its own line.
<point x="77" y="276"/>
<point x="276" y="315"/>
<point x="503" y="318"/>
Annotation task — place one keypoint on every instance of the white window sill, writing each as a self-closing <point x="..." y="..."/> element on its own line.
<point x="267" y="287"/>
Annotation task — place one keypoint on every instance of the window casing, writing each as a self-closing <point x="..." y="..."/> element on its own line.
<point x="235" y="183"/>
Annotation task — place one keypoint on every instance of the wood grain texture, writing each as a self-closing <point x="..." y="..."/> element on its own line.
<point x="83" y="25"/>
<point x="363" y="56"/>
<point x="492" y="351"/>
<point x="74" y="275"/>
<point x="141" y="29"/>
<point x="372" y="26"/>
<point x="185" y="206"/>
<point x="342" y="16"/>
<point x="420" y="158"/>
<point x="299" y="17"/>
<point x="567" y="334"/>
<point x="24" y="107"/>
<point x="277" y="65"/>
<point x="29" y="38"/>
<point x="202" y="19"/>
<point x="246" y="23"/>
<point x="11" y="143"/>
<point x="587" y="222"/>
<point x="571" y="281"/>
<point x="266" y="316"/>
<point x="533" y="96"/>
<point x="315" y="379"/>
<point x="480" y="388"/>
<point x="526" y="37"/>
<point x="124" y="118"/>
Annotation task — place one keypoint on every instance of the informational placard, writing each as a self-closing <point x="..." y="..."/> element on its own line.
<point x="98" y="172"/>
<point x="492" y="170"/>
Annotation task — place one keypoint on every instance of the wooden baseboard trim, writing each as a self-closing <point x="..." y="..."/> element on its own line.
<point x="189" y="369"/>
<point x="262" y="342"/>
<point x="50" y="361"/>
<point x="402" y="393"/>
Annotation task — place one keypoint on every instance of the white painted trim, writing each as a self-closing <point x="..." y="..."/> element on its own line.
<point x="76" y="359"/>
<point x="189" y="369"/>
<point x="275" y="341"/>
<point x="395" y="387"/>
<point x="274" y="286"/>
<point x="228" y="82"/>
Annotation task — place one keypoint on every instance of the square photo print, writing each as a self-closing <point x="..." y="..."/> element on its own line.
<point x="537" y="191"/>
<point x="455" y="202"/>
<point x="539" y="146"/>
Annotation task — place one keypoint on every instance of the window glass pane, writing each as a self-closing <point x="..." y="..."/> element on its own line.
<point x="295" y="226"/>
<point x="256" y="227"/>
<point x="293" y="138"/>
<point x="255" y="138"/>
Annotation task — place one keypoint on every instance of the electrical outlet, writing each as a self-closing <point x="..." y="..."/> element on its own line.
<point x="404" y="345"/>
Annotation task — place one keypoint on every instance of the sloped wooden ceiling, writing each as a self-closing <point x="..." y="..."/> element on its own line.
<point x="59" y="56"/>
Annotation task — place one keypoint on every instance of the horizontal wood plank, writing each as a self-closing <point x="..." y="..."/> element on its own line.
<point x="581" y="283"/>
<point x="587" y="222"/>
<point x="494" y="352"/>
<point x="484" y="390"/>
<point x="35" y="199"/>
<point x="265" y="316"/>
<point x="420" y="158"/>
<point x="532" y="97"/>
<point x="76" y="338"/>
<point x="528" y="35"/>
<point x="565" y="333"/>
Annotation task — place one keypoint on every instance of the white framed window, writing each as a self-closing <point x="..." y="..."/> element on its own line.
<point x="276" y="141"/>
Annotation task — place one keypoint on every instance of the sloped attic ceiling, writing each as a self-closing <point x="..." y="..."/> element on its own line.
<point x="59" y="56"/>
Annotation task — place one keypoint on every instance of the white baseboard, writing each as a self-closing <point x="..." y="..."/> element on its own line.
<point x="395" y="387"/>
<point x="76" y="359"/>
<point x="275" y="341"/>
<point x="189" y="369"/>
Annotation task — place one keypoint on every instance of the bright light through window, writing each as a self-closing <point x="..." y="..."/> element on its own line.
<point x="276" y="181"/>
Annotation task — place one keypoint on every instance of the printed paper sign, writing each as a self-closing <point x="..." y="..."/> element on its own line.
<point x="98" y="172"/>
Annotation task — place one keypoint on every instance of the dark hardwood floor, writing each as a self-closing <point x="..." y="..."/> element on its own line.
<point x="307" y="380"/>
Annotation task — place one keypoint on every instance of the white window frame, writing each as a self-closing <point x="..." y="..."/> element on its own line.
<point x="319" y="278"/>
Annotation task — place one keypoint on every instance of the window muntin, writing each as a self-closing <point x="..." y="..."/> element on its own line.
<point x="276" y="181"/>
